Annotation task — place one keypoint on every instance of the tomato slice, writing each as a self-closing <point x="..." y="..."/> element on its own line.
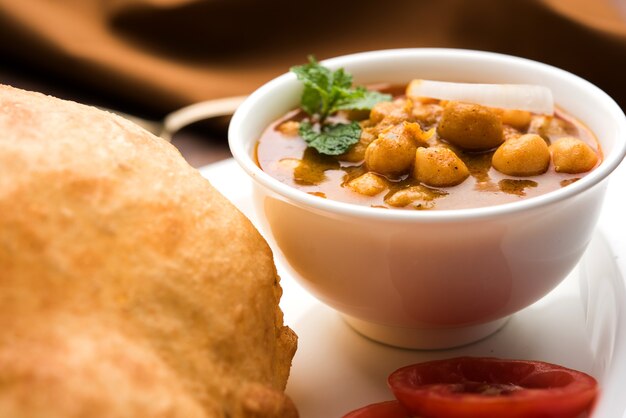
<point x="388" y="409"/>
<point x="468" y="387"/>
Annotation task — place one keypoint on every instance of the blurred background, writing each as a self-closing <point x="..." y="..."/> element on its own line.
<point x="150" y="57"/>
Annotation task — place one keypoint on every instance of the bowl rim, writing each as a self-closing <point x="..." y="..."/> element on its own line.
<point x="245" y="160"/>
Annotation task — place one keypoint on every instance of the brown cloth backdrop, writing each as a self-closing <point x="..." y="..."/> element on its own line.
<point x="163" y="54"/>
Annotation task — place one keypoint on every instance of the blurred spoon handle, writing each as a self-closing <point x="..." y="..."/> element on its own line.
<point x="196" y="112"/>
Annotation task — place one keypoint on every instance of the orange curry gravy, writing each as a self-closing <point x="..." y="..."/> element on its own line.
<point x="288" y="159"/>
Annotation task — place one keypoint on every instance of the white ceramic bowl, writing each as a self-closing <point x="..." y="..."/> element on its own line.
<point x="431" y="279"/>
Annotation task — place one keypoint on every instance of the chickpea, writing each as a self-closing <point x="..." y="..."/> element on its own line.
<point x="439" y="167"/>
<point x="380" y="110"/>
<point x="519" y="119"/>
<point x="391" y="113"/>
<point x="470" y="126"/>
<point x="289" y="128"/>
<point x="548" y="127"/>
<point x="392" y="153"/>
<point x="427" y="113"/>
<point x="573" y="156"/>
<point x="369" y="184"/>
<point x="356" y="152"/>
<point x="414" y="132"/>
<point x="526" y="155"/>
<point x="417" y="195"/>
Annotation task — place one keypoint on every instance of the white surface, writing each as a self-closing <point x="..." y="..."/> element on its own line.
<point x="581" y="324"/>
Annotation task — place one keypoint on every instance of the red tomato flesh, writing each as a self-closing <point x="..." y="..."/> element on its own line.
<point x="467" y="387"/>
<point x="389" y="409"/>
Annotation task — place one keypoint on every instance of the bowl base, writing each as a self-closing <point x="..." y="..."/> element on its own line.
<point x="424" y="338"/>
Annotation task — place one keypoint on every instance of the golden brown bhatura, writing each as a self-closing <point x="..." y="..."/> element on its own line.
<point x="129" y="286"/>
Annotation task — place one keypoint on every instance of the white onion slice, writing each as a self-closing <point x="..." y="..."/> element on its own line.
<point x="537" y="99"/>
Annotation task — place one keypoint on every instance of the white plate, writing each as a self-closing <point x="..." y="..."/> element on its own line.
<point x="581" y="324"/>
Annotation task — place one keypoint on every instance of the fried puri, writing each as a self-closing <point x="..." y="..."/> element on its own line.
<point x="129" y="287"/>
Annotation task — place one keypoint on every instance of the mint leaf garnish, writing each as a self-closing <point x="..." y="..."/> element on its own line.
<point x="326" y="92"/>
<point x="318" y="83"/>
<point x="361" y="99"/>
<point x="330" y="139"/>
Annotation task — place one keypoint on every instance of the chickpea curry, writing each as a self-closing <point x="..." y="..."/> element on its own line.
<point x="425" y="153"/>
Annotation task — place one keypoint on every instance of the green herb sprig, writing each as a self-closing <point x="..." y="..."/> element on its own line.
<point x="325" y="93"/>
